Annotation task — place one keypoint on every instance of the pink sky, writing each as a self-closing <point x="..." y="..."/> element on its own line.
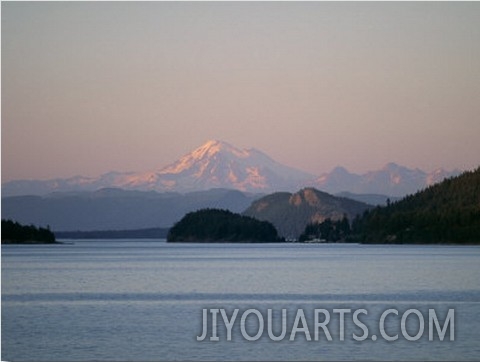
<point x="92" y="87"/>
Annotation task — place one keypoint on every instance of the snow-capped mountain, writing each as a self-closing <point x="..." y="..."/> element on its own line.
<point x="217" y="164"/>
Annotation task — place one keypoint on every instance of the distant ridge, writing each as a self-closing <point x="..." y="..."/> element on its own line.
<point x="391" y="180"/>
<point x="117" y="209"/>
<point x="371" y="199"/>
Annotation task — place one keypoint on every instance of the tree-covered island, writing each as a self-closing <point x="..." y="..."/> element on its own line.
<point x="15" y="233"/>
<point x="214" y="225"/>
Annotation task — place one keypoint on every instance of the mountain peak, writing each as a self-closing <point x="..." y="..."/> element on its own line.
<point x="213" y="147"/>
<point x="395" y="167"/>
<point x="215" y="144"/>
<point x="392" y="166"/>
<point x="339" y="170"/>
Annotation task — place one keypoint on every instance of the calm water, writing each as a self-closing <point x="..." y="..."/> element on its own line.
<point x="143" y="300"/>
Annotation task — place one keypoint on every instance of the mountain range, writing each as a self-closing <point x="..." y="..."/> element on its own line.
<point x="392" y="179"/>
<point x="217" y="164"/>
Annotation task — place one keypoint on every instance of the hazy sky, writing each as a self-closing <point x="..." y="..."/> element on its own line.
<point x="93" y="87"/>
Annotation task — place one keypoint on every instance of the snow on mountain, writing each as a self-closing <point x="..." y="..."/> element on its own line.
<point x="219" y="164"/>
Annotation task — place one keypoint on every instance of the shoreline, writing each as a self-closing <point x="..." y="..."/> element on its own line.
<point x="31" y="242"/>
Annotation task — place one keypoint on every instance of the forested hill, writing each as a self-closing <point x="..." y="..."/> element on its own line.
<point x="448" y="212"/>
<point x="291" y="213"/>
<point x="214" y="225"/>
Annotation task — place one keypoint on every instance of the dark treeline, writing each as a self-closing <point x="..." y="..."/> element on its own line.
<point x="448" y="212"/>
<point x="329" y="230"/>
<point x="13" y="232"/>
<point x="214" y="225"/>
